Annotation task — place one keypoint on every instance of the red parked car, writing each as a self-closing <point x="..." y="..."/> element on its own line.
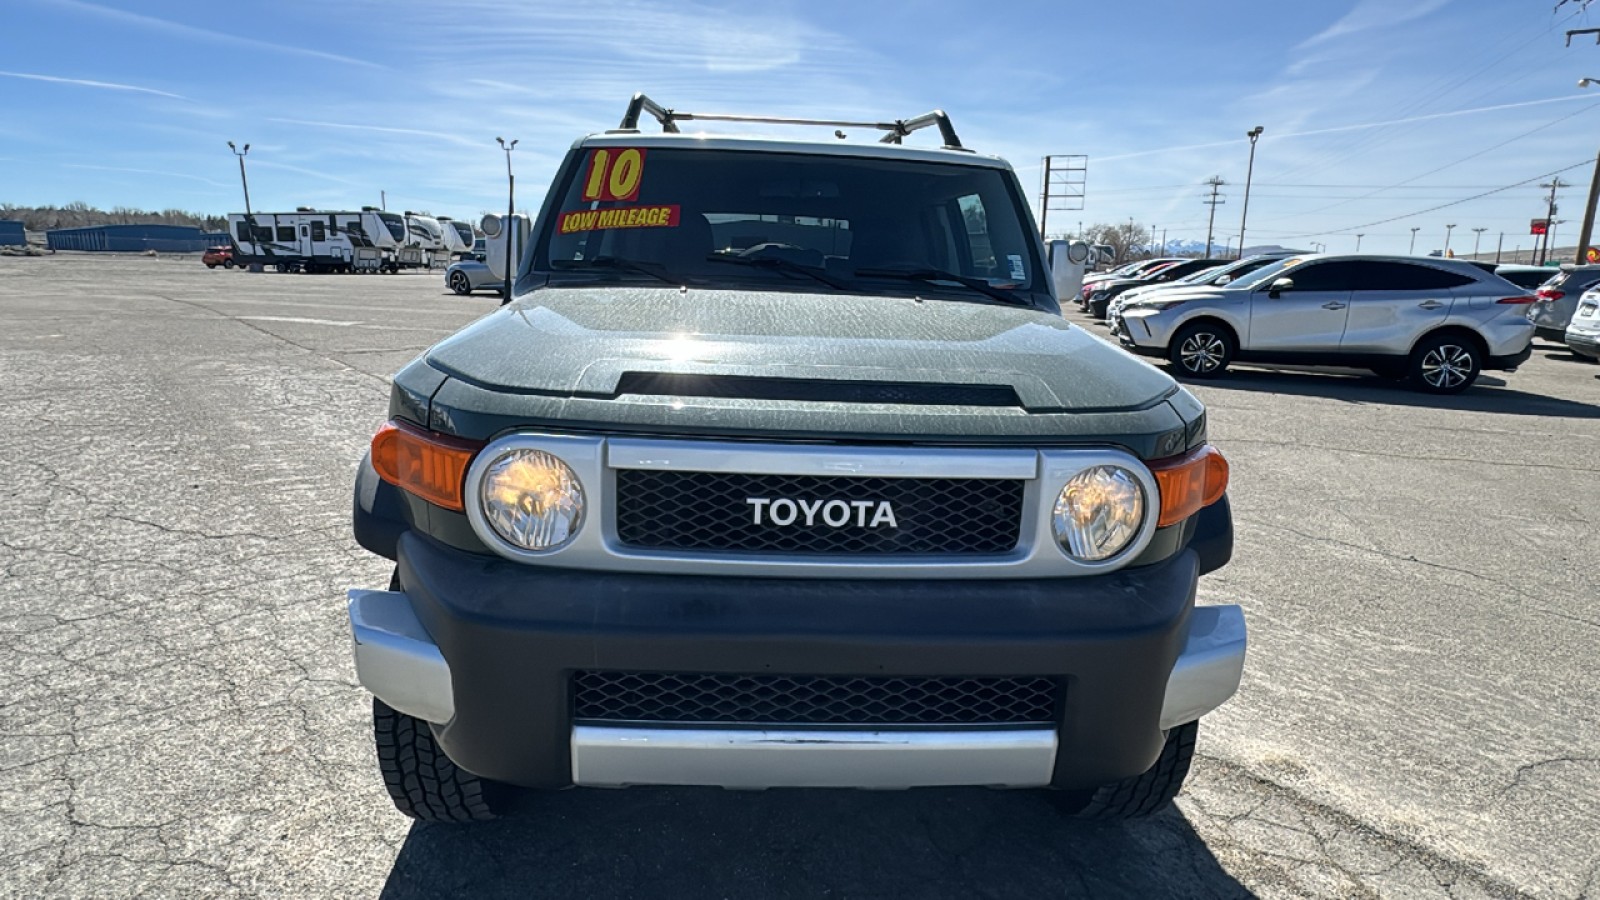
<point x="218" y="256"/>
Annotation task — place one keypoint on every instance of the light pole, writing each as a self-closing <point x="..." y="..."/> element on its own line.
<point x="249" y="217"/>
<point x="1359" y="236"/>
<point x="1227" y="245"/>
<point x="1447" y="229"/>
<point x="511" y="213"/>
<point x="1413" y="250"/>
<point x="1477" y="235"/>
<point x="1253" y="134"/>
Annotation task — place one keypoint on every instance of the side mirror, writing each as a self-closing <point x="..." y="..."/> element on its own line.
<point x="1279" y="286"/>
<point x="1224" y="280"/>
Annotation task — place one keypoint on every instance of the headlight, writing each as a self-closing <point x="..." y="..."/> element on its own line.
<point x="532" y="500"/>
<point x="1099" y="513"/>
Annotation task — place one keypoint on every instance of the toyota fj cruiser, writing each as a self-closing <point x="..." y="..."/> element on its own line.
<point x="782" y="469"/>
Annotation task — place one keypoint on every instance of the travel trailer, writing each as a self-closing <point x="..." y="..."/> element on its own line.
<point x="309" y="240"/>
<point x="458" y="237"/>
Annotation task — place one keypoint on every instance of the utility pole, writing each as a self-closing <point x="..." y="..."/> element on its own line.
<point x="1447" y="229"/>
<point x="1498" y="246"/>
<point x="383" y="200"/>
<point x="1163" y="242"/>
<point x="1216" y="183"/>
<point x="511" y="213"/>
<point x="1477" y="236"/>
<point x="1553" y="184"/>
<point x="1413" y="250"/>
<point x="1359" y="236"/>
<point x="1586" y="233"/>
<point x="1253" y="134"/>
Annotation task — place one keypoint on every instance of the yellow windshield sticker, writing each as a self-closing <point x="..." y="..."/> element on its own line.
<point x="614" y="174"/>
<point x="618" y="217"/>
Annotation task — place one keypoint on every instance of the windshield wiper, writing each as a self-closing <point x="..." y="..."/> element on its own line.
<point x="931" y="275"/>
<point x="615" y="264"/>
<point x="778" y="264"/>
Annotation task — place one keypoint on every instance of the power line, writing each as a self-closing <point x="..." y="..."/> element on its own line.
<point x="1423" y="212"/>
<point x="1451" y="164"/>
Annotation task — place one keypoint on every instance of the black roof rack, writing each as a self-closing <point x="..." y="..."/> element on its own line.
<point x="899" y="128"/>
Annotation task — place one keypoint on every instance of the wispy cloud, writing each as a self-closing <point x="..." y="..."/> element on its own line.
<point x="1370" y="14"/>
<point x="217" y="37"/>
<point x="1361" y="126"/>
<point x="103" y="85"/>
<point x="385" y="129"/>
<point x="142" y="172"/>
<point x="298" y="170"/>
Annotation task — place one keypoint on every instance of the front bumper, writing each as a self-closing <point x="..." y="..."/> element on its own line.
<point x="484" y="649"/>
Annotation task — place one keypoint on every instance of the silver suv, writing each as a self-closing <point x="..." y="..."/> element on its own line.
<point x="1437" y="322"/>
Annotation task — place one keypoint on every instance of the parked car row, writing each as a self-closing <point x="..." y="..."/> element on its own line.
<point x="1435" y="322"/>
<point x="1103" y="292"/>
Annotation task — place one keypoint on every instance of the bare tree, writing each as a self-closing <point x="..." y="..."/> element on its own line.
<point x="1126" y="240"/>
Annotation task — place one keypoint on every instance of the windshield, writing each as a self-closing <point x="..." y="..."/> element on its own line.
<point x="395" y="224"/>
<point x="861" y="224"/>
<point x="1198" y="277"/>
<point x="463" y="231"/>
<point x="1232" y="271"/>
<point x="1265" y="273"/>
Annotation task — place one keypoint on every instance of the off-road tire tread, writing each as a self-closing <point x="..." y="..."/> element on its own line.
<point x="423" y="782"/>
<point x="1151" y="792"/>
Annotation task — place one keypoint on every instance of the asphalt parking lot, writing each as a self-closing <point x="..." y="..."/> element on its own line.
<point x="178" y="714"/>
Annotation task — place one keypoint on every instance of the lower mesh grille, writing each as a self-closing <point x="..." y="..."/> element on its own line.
<point x="812" y="699"/>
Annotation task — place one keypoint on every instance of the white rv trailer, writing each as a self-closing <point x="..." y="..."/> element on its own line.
<point x="309" y="240"/>
<point x="427" y="235"/>
<point x="458" y="236"/>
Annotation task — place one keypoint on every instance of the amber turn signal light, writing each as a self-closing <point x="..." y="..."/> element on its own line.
<point x="431" y="466"/>
<point x="1190" y="483"/>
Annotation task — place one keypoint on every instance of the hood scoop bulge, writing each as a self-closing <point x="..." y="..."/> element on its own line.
<point x="815" y="390"/>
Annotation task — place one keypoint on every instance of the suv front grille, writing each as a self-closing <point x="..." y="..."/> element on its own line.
<point x="812" y="699"/>
<point x="709" y="511"/>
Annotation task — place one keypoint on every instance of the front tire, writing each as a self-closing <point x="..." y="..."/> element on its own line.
<point x="1148" y="793"/>
<point x="423" y="782"/>
<point x="1445" y="364"/>
<point x="1201" y="350"/>
<point x="460" y="284"/>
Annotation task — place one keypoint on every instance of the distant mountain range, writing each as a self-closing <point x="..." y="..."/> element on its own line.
<point x="1198" y="248"/>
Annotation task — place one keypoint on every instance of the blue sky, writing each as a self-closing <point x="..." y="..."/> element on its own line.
<point x="132" y="103"/>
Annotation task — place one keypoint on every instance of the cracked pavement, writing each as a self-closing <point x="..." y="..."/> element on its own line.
<point x="179" y="716"/>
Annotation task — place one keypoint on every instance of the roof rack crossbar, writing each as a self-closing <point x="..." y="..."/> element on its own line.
<point x="897" y="129"/>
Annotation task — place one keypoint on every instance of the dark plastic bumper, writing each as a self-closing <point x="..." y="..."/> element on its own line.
<point x="513" y="634"/>
<point x="1509" y="362"/>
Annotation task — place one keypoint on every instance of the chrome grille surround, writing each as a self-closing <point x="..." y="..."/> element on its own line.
<point x="595" y="460"/>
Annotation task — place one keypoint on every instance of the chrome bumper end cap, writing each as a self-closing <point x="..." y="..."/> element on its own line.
<point x="1209" y="668"/>
<point x="396" y="659"/>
